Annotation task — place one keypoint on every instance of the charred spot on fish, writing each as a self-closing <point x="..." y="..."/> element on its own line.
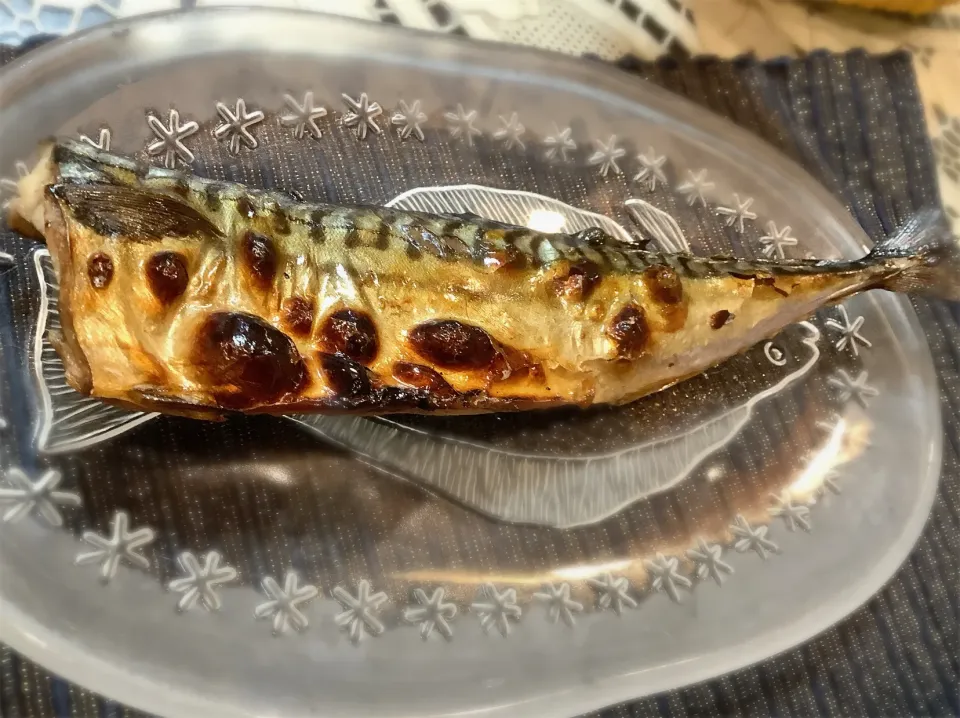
<point x="133" y="213"/>
<point x="720" y="319"/>
<point x="593" y="236"/>
<point x="245" y="207"/>
<point x="453" y="345"/>
<point x="664" y="284"/>
<point x="630" y="331"/>
<point x="351" y="333"/>
<point x="352" y="240"/>
<point x="260" y="256"/>
<point x="346" y="377"/>
<point x="167" y="276"/>
<point x="297" y="315"/>
<point x="579" y="282"/>
<point x="422" y="377"/>
<point x="316" y="232"/>
<point x="413" y="253"/>
<point x="255" y="362"/>
<point x="100" y="270"/>
<point x="383" y="236"/>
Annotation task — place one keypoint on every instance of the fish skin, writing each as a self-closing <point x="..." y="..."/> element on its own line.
<point x="223" y="298"/>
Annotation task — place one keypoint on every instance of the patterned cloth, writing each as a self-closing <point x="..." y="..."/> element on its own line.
<point x="897" y="655"/>
<point x="608" y="28"/>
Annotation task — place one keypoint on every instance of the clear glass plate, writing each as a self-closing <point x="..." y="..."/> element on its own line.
<point x="550" y="563"/>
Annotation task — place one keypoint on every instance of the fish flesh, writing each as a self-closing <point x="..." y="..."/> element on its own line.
<point x="190" y="296"/>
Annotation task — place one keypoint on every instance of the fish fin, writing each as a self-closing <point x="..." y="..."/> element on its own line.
<point x="68" y="420"/>
<point x="658" y="225"/>
<point x="132" y="212"/>
<point x="927" y="240"/>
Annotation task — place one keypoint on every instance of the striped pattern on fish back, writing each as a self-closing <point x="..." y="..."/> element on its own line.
<point x="445" y="236"/>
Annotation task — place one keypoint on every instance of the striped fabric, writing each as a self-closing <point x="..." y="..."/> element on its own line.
<point x="856" y="122"/>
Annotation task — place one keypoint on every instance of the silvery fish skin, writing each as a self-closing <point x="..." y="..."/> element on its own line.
<point x="187" y="296"/>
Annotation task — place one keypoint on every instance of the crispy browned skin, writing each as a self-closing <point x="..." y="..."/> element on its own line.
<point x="183" y="295"/>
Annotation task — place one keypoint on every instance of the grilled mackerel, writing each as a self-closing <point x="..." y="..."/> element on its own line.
<point x="188" y="296"/>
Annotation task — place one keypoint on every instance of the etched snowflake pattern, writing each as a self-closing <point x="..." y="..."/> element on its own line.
<point x="236" y="124"/>
<point x="360" y="612"/>
<point x="665" y="572"/>
<point x="496" y="609"/>
<point x="510" y="132"/>
<point x="559" y="144"/>
<point x="41" y="497"/>
<point x="612" y="593"/>
<point x="848" y="387"/>
<point x="121" y="545"/>
<point x="431" y="613"/>
<point x="795" y="515"/>
<point x="200" y="583"/>
<point x="170" y="137"/>
<point x="694" y="187"/>
<point x="104" y="138"/>
<point x="738" y="213"/>
<point x="408" y="120"/>
<point x="303" y="116"/>
<point x="283" y="606"/>
<point x="362" y="115"/>
<point x="460" y="124"/>
<point x="709" y="564"/>
<point x="849" y="332"/>
<point x="775" y="241"/>
<point x="651" y="169"/>
<point x="752" y="538"/>
<point x="559" y="604"/>
<point x="605" y="156"/>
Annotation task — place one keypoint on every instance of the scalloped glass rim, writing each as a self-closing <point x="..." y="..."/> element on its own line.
<point x="218" y="30"/>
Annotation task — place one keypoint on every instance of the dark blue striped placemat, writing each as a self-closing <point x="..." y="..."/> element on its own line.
<point x="855" y="121"/>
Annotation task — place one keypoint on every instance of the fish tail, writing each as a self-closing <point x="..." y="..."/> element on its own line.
<point x="933" y="254"/>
